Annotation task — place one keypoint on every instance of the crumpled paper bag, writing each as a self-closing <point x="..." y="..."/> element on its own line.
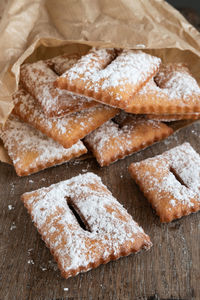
<point x="38" y="29"/>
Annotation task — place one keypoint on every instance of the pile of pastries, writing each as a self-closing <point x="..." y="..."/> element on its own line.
<point x="112" y="102"/>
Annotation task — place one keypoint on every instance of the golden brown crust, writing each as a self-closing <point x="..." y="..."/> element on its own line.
<point x="31" y="151"/>
<point x="109" y="77"/>
<point x="114" y="141"/>
<point x="66" y="130"/>
<point x="112" y="231"/>
<point x="61" y="63"/>
<point x="170" y="182"/>
<point x="37" y="78"/>
<point x="173" y="117"/>
<point x="172" y="91"/>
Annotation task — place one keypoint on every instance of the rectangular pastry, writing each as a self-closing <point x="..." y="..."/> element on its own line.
<point x="172" y="91"/>
<point x="125" y="135"/>
<point x="66" y="130"/>
<point x="32" y="151"/>
<point x="109" y="76"/>
<point x="106" y="231"/>
<point x="61" y="63"/>
<point x="37" y="78"/>
<point x="170" y="181"/>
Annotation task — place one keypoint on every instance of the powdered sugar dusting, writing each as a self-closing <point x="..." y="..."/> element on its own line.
<point x="178" y="192"/>
<point x="123" y="136"/>
<point x="120" y="131"/>
<point x="120" y="77"/>
<point x="99" y="137"/>
<point x="38" y="79"/>
<point x="90" y="63"/>
<point x="13" y="226"/>
<point x="159" y="176"/>
<point x="10" y="207"/>
<point x="186" y="161"/>
<point x="174" y="82"/>
<point x="62" y="63"/>
<point x="61" y="129"/>
<point x="111" y="227"/>
<point x="20" y="139"/>
<point x="30" y="262"/>
<point x="130" y="67"/>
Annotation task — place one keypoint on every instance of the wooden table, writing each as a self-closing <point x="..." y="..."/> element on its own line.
<point x="170" y="270"/>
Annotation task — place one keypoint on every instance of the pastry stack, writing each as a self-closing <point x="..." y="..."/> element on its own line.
<point x="113" y="102"/>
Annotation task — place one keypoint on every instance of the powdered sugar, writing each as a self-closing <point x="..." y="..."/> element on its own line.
<point x="38" y="79"/>
<point x="186" y="161"/>
<point x="66" y="129"/>
<point x="62" y="63"/>
<point x="110" y="130"/>
<point x="37" y="73"/>
<point x="120" y="77"/>
<point x="10" y="207"/>
<point x="30" y="262"/>
<point x="113" y="140"/>
<point x="90" y="63"/>
<point x="174" y="82"/>
<point x="99" y="137"/>
<point x="182" y="160"/>
<point x="20" y="139"/>
<point x="169" y="184"/>
<point x="13" y="226"/>
<point x="109" y="224"/>
<point x="130" y="67"/>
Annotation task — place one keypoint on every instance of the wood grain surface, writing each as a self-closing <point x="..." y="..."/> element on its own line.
<point x="170" y="270"/>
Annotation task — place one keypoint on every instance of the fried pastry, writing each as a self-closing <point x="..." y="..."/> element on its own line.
<point x="32" y="151"/>
<point x="173" y="117"/>
<point x="171" y="181"/>
<point x="128" y="134"/>
<point x="60" y="64"/>
<point x="172" y="91"/>
<point x="37" y="78"/>
<point x="66" y="130"/>
<point x="110" y="77"/>
<point x="106" y="231"/>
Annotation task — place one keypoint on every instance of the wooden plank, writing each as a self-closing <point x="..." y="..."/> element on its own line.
<point x="170" y="270"/>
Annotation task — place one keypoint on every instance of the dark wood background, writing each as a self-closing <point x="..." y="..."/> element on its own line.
<point x="170" y="270"/>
